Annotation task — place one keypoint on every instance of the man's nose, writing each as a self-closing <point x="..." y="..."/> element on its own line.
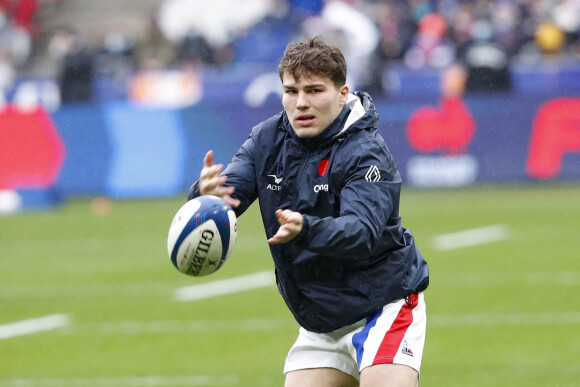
<point x="302" y="100"/>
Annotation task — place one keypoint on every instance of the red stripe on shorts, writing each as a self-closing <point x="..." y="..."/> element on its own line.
<point x="396" y="333"/>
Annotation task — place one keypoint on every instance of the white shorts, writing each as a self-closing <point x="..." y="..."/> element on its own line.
<point x="394" y="335"/>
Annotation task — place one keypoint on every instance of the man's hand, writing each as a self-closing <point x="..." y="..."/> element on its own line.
<point x="211" y="183"/>
<point x="290" y="225"/>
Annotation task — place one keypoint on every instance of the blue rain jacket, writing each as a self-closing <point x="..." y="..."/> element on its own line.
<point x="353" y="256"/>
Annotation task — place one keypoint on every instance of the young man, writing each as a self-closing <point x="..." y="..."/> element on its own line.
<point x="329" y="196"/>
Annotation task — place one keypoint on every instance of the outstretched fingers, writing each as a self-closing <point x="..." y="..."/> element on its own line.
<point x="212" y="183"/>
<point x="290" y="225"/>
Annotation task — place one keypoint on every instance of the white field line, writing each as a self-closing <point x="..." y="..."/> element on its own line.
<point x="147" y="289"/>
<point x="164" y="327"/>
<point x="86" y="290"/>
<point x="127" y="381"/>
<point x="227" y="286"/>
<point x="533" y="278"/>
<point x="471" y="237"/>
<point x="34" y="325"/>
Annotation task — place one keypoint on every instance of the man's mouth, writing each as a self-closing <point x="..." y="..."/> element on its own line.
<point x="305" y="119"/>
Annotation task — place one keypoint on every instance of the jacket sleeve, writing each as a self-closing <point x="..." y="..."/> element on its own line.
<point x="368" y="220"/>
<point x="241" y="175"/>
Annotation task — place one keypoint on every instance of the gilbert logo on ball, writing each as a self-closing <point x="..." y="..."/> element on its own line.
<point x="202" y="235"/>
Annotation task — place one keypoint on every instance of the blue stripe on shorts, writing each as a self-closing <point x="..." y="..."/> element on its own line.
<point x="359" y="339"/>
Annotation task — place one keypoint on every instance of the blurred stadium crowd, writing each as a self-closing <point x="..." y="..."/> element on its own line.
<point x="373" y="34"/>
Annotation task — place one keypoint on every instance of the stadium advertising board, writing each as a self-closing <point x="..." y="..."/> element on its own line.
<point x="126" y="150"/>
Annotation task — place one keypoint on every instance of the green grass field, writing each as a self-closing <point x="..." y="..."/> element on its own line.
<point x="501" y="313"/>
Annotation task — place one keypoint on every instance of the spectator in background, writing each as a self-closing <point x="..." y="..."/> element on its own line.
<point x="396" y="28"/>
<point x="16" y="24"/>
<point x="218" y="21"/>
<point x="505" y="18"/>
<point x="260" y="43"/>
<point x="22" y="13"/>
<point x="487" y="61"/>
<point x="372" y="34"/>
<point x="76" y="65"/>
<point x="550" y="39"/>
<point x="566" y="16"/>
<point x="154" y="50"/>
<point x="116" y="61"/>
<point x="431" y="46"/>
<point x="194" y="51"/>
<point x="346" y="25"/>
<point x="460" y="19"/>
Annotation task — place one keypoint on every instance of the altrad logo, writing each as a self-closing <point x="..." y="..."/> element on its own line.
<point x="276" y="186"/>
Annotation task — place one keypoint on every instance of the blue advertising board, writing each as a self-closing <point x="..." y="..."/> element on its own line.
<point x="121" y="149"/>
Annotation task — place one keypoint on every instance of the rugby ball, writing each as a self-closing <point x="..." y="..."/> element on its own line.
<point x="202" y="235"/>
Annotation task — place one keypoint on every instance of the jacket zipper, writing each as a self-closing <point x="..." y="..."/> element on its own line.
<point x="299" y="181"/>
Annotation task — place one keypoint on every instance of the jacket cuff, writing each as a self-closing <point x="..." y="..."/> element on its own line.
<point x="193" y="191"/>
<point x="301" y="237"/>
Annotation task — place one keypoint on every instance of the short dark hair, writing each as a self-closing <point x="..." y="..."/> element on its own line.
<point x="311" y="57"/>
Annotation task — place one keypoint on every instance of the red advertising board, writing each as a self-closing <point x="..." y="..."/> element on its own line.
<point x="31" y="150"/>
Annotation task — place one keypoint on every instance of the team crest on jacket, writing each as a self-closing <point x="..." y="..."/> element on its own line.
<point x="323" y="167"/>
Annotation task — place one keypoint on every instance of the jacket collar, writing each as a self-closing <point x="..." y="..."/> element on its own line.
<point x="358" y="106"/>
<point x="356" y="111"/>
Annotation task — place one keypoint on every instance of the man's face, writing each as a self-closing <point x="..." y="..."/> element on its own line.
<point x="311" y="103"/>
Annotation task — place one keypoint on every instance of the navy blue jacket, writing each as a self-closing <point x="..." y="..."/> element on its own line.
<point x="352" y="256"/>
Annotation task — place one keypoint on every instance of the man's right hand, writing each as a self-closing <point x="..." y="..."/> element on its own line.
<point x="211" y="183"/>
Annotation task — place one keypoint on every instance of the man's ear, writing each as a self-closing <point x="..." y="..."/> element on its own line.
<point x="343" y="94"/>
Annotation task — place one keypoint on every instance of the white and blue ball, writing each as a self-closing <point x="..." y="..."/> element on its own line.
<point x="202" y="235"/>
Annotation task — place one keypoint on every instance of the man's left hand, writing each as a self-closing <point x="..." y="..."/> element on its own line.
<point x="290" y="225"/>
